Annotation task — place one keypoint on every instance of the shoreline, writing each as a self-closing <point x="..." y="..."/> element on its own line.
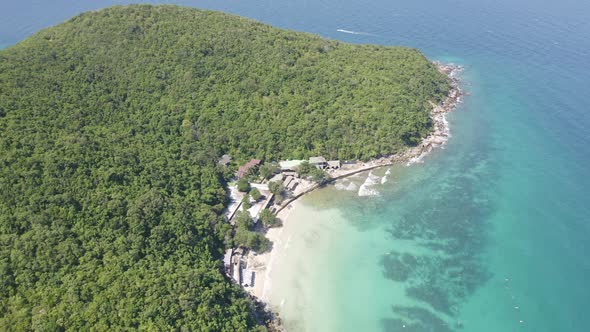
<point x="262" y="264"/>
<point x="436" y="139"/>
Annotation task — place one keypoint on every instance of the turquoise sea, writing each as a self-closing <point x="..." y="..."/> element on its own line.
<point x="489" y="234"/>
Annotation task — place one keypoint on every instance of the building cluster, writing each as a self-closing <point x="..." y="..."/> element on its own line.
<point x="288" y="167"/>
<point x="235" y="264"/>
<point x="318" y="162"/>
<point x="236" y="267"/>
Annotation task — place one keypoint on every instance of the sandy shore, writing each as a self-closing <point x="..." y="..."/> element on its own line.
<point x="262" y="264"/>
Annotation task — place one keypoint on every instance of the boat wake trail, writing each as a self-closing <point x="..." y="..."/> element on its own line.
<point x="356" y="33"/>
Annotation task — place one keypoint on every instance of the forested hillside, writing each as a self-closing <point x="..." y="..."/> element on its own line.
<point x="110" y="126"/>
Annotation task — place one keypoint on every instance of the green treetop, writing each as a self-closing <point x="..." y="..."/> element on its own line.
<point x="243" y="185"/>
<point x="255" y="193"/>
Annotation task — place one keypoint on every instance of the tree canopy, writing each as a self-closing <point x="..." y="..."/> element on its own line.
<point x="268" y="170"/>
<point x="268" y="219"/>
<point x="243" y="185"/>
<point x="111" y="201"/>
<point x="255" y="193"/>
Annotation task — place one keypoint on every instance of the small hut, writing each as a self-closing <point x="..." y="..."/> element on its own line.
<point x="227" y="261"/>
<point x="277" y="178"/>
<point x="293" y="185"/>
<point x="287" y="181"/>
<point x="247" y="277"/>
<point x="318" y="162"/>
<point x="290" y="165"/>
<point x="334" y="164"/>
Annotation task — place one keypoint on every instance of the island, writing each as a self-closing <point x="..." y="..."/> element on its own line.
<point x="124" y="129"/>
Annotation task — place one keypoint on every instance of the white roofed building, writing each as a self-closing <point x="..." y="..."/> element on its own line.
<point x="319" y="162"/>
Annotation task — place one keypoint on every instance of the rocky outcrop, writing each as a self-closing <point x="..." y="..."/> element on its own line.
<point x="441" y="130"/>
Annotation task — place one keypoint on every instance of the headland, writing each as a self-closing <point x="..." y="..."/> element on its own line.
<point x="260" y="265"/>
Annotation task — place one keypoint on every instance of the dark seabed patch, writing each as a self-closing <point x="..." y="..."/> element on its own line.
<point x="448" y="236"/>
<point x="438" y="236"/>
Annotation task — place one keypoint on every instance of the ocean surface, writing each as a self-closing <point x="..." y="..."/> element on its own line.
<point x="491" y="233"/>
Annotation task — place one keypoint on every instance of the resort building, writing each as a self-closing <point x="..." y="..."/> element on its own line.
<point x="236" y="265"/>
<point x="319" y="162"/>
<point x="289" y="165"/>
<point x="247" y="277"/>
<point x="227" y="262"/>
<point x="287" y="181"/>
<point x="334" y="164"/>
<point x="244" y="169"/>
<point x="291" y="173"/>
<point x="292" y="185"/>
<point x="277" y="178"/>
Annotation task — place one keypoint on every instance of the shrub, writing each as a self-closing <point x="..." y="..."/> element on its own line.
<point x="268" y="170"/>
<point x="243" y="185"/>
<point x="305" y="168"/>
<point x="255" y="193"/>
<point x="248" y="239"/>
<point x="319" y="176"/>
<point x="244" y="220"/>
<point x="276" y="187"/>
<point x="268" y="219"/>
<point x="246" y="202"/>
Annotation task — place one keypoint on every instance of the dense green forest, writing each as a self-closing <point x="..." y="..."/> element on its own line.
<point x="110" y="126"/>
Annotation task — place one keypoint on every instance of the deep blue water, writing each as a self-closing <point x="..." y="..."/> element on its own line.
<point x="510" y="194"/>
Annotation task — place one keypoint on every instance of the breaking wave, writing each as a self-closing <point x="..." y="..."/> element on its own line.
<point x="346" y="185"/>
<point x="366" y="189"/>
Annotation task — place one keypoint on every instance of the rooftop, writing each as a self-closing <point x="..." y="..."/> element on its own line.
<point x="227" y="257"/>
<point x="276" y="178"/>
<point x="224" y="160"/>
<point x="243" y="170"/>
<point x="290" y="164"/>
<point x="334" y="163"/>
<point x="317" y="160"/>
<point x="288" y="180"/>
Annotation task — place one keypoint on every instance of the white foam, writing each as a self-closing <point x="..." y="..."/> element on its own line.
<point x="372" y="179"/>
<point x="384" y="178"/>
<point x="417" y="159"/>
<point x="366" y="189"/>
<point x="440" y="136"/>
<point x="352" y="187"/>
<point x="346" y="185"/>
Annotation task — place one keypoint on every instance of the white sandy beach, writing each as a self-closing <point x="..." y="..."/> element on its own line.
<point x="262" y="264"/>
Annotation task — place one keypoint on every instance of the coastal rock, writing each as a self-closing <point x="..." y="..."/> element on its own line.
<point x="438" y="140"/>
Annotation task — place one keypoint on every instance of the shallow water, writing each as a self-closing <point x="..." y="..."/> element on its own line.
<point x="486" y="233"/>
